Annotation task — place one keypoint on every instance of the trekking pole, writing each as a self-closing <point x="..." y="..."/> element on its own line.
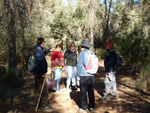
<point x="40" y="95"/>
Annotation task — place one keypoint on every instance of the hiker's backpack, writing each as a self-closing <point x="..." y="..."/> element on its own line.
<point x="119" y="60"/>
<point x="31" y="62"/>
<point x="93" y="63"/>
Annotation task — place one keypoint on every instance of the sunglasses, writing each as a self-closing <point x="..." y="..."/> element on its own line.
<point x="72" y="45"/>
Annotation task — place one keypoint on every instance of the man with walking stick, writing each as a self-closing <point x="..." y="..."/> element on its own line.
<point x="41" y="90"/>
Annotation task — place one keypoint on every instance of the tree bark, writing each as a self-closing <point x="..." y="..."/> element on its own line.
<point x="107" y="23"/>
<point x="105" y="1"/>
<point x="12" y="36"/>
<point x="91" y="25"/>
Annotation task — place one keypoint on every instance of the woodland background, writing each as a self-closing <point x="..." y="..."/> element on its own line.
<point x="126" y="23"/>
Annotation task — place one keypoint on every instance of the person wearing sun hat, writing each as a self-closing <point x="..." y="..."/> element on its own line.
<point x="86" y="79"/>
<point x="110" y="80"/>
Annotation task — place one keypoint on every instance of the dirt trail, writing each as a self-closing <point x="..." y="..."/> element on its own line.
<point x="68" y="102"/>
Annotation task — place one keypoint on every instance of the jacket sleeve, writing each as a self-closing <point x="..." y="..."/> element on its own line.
<point x="40" y="63"/>
<point x="65" y="56"/>
<point x="111" y="61"/>
<point x="53" y="55"/>
<point x="82" y="62"/>
<point x="46" y="52"/>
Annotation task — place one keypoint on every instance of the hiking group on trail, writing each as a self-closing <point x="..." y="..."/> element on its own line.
<point x="84" y="71"/>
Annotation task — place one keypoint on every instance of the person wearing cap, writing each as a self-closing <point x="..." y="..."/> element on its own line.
<point x="110" y="80"/>
<point x="57" y="65"/>
<point x="39" y="73"/>
<point x="86" y="79"/>
<point x="70" y="57"/>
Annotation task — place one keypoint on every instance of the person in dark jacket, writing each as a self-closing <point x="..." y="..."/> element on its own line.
<point x="39" y="73"/>
<point x="110" y="80"/>
<point x="70" y="57"/>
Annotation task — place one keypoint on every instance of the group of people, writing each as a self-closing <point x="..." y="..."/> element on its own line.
<point x="76" y="71"/>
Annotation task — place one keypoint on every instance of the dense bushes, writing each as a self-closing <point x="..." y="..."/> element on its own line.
<point x="143" y="79"/>
<point x="10" y="84"/>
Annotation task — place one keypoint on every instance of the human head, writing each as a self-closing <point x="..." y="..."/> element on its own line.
<point x="72" y="45"/>
<point x="108" y="45"/>
<point x="85" y="44"/>
<point x="41" y="42"/>
<point x="58" y="47"/>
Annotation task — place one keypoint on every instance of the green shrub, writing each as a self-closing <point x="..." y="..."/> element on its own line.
<point x="143" y="79"/>
<point x="14" y="79"/>
<point x="100" y="52"/>
<point x="10" y="84"/>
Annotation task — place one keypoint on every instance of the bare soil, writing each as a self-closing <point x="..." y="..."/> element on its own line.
<point x="128" y="101"/>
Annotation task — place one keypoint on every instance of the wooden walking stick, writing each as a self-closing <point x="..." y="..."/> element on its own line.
<point x="40" y="95"/>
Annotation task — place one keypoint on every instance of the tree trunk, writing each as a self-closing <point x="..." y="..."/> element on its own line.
<point x="91" y="25"/>
<point x="12" y="36"/>
<point x="105" y="1"/>
<point x="107" y="23"/>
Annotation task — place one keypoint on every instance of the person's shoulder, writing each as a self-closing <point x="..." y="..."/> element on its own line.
<point x="112" y="52"/>
<point x="54" y="52"/>
<point x="68" y="50"/>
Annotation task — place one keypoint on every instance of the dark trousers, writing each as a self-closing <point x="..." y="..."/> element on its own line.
<point x="87" y="85"/>
<point x="38" y="85"/>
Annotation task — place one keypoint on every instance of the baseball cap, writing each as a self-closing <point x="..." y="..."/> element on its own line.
<point x="108" y="43"/>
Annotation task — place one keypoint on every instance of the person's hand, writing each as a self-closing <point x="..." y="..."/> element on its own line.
<point x="51" y="50"/>
<point x="44" y="76"/>
<point x="78" y="78"/>
<point x="52" y="70"/>
<point x="64" y="68"/>
<point x="109" y="77"/>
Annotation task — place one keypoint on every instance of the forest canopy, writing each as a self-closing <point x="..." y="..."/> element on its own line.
<point x="123" y="22"/>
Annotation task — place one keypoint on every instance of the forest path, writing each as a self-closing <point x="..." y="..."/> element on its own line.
<point x="128" y="101"/>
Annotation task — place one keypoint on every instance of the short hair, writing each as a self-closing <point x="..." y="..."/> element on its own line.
<point x="59" y="45"/>
<point x="72" y="43"/>
<point x="40" y="40"/>
<point x="85" y="47"/>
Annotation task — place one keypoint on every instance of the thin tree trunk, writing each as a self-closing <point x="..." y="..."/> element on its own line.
<point x="107" y="23"/>
<point x="105" y="1"/>
<point x="91" y="25"/>
<point x="12" y="35"/>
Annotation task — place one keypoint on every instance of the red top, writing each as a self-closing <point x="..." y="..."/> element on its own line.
<point x="57" y="60"/>
<point x="56" y="55"/>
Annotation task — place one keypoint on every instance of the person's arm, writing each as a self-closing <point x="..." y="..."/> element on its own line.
<point x="48" y="51"/>
<point x="111" y="61"/>
<point x="53" y="56"/>
<point x="76" y="59"/>
<point x="65" y="57"/>
<point x="80" y="64"/>
<point x="86" y="58"/>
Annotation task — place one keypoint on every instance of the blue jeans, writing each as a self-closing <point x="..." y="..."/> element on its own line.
<point x="71" y="73"/>
<point x="58" y="73"/>
<point x="110" y="84"/>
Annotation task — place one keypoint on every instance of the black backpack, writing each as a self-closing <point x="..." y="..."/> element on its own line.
<point x="118" y="61"/>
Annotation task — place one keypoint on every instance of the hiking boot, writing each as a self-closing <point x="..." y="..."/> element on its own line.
<point x="103" y="99"/>
<point x="82" y="111"/>
<point x="69" y="90"/>
<point x="58" y="91"/>
<point x="74" y="88"/>
<point x="113" y="96"/>
<point x="92" y="110"/>
<point x="46" y="108"/>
